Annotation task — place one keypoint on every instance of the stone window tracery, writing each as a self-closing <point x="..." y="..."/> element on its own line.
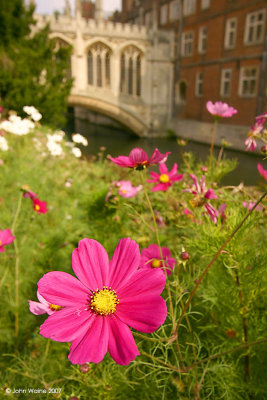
<point x="131" y="62"/>
<point x="98" y="63"/>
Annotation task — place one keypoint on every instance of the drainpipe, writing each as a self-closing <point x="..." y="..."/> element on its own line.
<point x="178" y="59"/>
<point x="261" y="94"/>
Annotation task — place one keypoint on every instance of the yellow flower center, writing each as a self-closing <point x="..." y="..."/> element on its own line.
<point x="104" y="301"/>
<point x="54" y="307"/>
<point x="37" y="208"/>
<point x="156" y="263"/>
<point x="123" y="191"/>
<point x="198" y="201"/>
<point x="1" y="242"/>
<point x="164" y="178"/>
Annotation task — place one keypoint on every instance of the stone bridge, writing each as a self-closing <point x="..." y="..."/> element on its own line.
<point x="120" y="70"/>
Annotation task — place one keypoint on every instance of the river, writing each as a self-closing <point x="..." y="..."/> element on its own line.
<point x="118" y="142"/>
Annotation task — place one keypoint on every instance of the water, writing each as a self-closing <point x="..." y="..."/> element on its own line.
<point x="118" y="142"/>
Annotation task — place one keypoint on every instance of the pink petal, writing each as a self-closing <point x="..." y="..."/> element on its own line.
<point x="163" y="169"/>
<point x="91" y="264"/>
<point x="42" y="299"/>
<point x="137" y="156"/>
<point x="142" y="283"/>
<point x="38" y="308"/>
<point x="158" y="158"/>
<point x="124" y="263"/>
<point x="192" y="176"/>
<point x="173" y="171"/>
<point x="67" y="324"/>
<point x="122" y="161"/>
<point x="212" y="212"/>
<point x="144" y="313"/>
<point x="177" y="178"/>
<point x="154" y="175"/>
<point x="262" y="171"/>
<point x="121" y="344"/>
<point x="161" y="187"/>
<point x="62" y="289"/>
<point x="210" y="194"/>
<point x="92" y="347"/>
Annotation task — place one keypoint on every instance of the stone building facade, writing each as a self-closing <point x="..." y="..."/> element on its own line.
<point x="220" y="52"/>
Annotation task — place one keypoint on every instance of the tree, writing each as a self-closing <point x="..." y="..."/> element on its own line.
<point x="33" y="68"/>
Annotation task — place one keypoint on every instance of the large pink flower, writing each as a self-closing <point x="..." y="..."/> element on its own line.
<point x="5" y="239"/>
<point x="127" y="190"/>
<point x="166" y="178"/>
<point x="201" y="195"/>
<point x="219" y="109"/>
<point x="151" y="258"/>
<point x="138" y="159"/>
<point x="43" y="307"/>
<point x="262" y="171"/>
<point x="103" y="302"/>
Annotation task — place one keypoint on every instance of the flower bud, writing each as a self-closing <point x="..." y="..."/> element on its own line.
<point x="184" y="255"/>
<point x="84" y="368"/>
<point x="264" y="149"/>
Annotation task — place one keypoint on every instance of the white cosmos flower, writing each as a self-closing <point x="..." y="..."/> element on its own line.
<point x="17" y="126"/>
<point x="53" y="146"/>
<point x="32" y="112"/>
<point x="3" y="144"/>
<point x="76" y="151"/>
<point x="77" y="138"/>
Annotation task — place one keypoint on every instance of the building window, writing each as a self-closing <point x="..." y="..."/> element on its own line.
<point x="205" y="4"/>
<point x="189" y="7"/>
<point x="99" y="65"/>
<point x="230" y="33"/>
<point x="181" y="90"/>
<point x="199" y="84"/>
<point x="248" y="81"/>
<point x="174" y="10"/>
<point x="202" y="40"/>
<point x="225" y="89"/>
<point x="131" y="65"/>
<point x="254" y="30"/>
<point x="164" y="14"/>
<point x="187" y="44"/>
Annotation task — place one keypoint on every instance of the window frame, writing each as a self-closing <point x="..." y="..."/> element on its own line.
<point x="184" y="54"/>
<point x="202" y="37"/>
<point x="223" y="80"/>
<point x="174" y="3"/>
<point x="198" y="83"/>
<point x="166" y="9"/>
<point x="205" y="4"/>
<point x="242" y="79"/>
<point x="228" y="31"/>
<point x="255" y="26"/>
<point x="189" y="7"/>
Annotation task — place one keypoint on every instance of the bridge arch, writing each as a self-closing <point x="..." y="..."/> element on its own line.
<point x="114" y="111"/>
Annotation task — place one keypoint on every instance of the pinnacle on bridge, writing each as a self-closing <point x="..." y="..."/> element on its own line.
<point x="99" y="13"/>
<point x="78" y="8"/>
<point x="67" y="10"/>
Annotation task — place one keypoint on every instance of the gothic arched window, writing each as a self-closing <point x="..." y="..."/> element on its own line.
<point x="99" y="65"/>
<point x="131" y="61"/>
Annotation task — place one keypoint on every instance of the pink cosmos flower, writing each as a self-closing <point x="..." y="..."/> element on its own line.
<point x="103" y="302"/>
<point x="138" y="159"/>
<point x="166" y="178"/>
<point x="5" y="239"/>
<point x="249" y="206"/>
<point x="151" y="258"/>
<point x="262" y="116"/>
<point x="255" y="130"/>
<point x="39" y="206"/>
<point x="127" y="190"/>
<point x="201" y="195"/>
<point x="250" y="144"/>
<point x="221" y="210"/>
<point x="262" y="172"/>
<point x="220" y="110"/>
<point x="43" y="306"/>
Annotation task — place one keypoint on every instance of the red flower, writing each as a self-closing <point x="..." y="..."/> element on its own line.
<point x="39" y="206"/>
<point x="138" y="159"/>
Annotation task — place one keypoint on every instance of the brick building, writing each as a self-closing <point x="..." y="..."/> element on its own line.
<point x="221" y="52"/>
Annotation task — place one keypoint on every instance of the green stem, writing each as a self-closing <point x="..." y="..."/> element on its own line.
<point x="214" y="259"/>
<point x="212" y="140"/>
<point x="16" y="267"/>
<point x="164" y="268"/>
